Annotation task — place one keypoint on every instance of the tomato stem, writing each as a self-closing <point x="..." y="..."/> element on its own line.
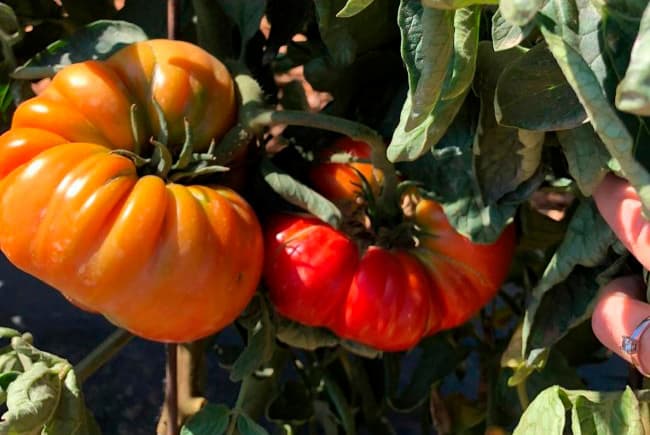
<point x="171" y="389"/>
<point x="171" y="19"/>
<point x="354" y="130"/>
<point x="102" y="354"/>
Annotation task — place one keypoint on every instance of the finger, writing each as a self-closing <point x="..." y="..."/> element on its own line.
<point x="618" y="312"/>
<point x="621" y="208"/>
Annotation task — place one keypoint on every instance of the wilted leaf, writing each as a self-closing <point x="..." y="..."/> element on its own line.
<point x="259" y="349"/>
<point x="304" y="337"/>
<point x="32" y="400"/>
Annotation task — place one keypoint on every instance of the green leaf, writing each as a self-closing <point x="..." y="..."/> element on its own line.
<point x="97" y="41"/>
<point x="592" y="412"/>
<point x="586" y="243"/>
<point x="608" y="126"/>
<point x="565" y="306"/>
<point x="246" y="15"/>
<point x="529" y="86"/>
<point x="447" y="174"/>
<point x="506" y="35"/>
<point x="605" y="413"/>
<point x="7" y="378"/>
<point x="260" y="347"/>
<point x="544" y="416"/>
<point x="438" y="358"/>
<point x="456" y="4"/>
<point x="214" y="28"/>
<point x="353" y="7"/>
<point x="210" y="420"/>
<point x="409" y="142"/>
<point x="633" y="92"/>
<point x="586" y="155"/>
<point x="8" y="332"/>
<point x="299" y="194"/>
<point x="341" y="404"/>
<point x="304" y="337"/>
<point x="246" y="426"/>
<point x="426" y="56"/>
<point x="32" y="400"/>
<point x="348" y="38"/>
<point x="520" y="12"/>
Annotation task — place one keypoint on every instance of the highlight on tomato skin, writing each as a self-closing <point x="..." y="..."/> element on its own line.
<point x="166" y="261"/>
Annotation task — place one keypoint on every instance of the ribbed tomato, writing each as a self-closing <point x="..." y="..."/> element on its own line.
<point x="386" y="298"/>
<point x="166" y="261"/>
<point x="91" y="101"/>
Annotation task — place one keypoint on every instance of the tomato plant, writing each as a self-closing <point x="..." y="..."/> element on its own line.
<point x="391" y="148"/>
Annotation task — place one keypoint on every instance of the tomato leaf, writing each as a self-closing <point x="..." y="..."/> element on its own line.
<point x="506" y="35"/>
<point x="436" y="358"/>
<point x="353" y="7"/>
<point x="414" y="136"/>
<point x="304" y="337"/>
<point x="32" y="400"/>
<point x="97" y="41"/>
<point x="587" y="81"/>
<point x="591" y="412"/>
<point x="586" y="244"/>
<point x="456" y="4"/>
<point x="633" y="92"/>
<point x="587" y="157"/>
<point x="246" y="426"/>
<point x="341" y="404"/>
<point x="520" y="12"/>
<point x="447" y="174"/>
<point x="210" y="420"/>
<point x="71" y="416"/>
<point x="299" y="194"/>
<point x="531" y="84"/>
<point x="260" y="347"/>
<point x="246" y="15"/>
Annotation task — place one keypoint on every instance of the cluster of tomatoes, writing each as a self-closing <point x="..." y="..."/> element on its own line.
<point x="84" y="210"/>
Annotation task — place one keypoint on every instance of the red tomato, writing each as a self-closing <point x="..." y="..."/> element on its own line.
<point x="340" y="182"/>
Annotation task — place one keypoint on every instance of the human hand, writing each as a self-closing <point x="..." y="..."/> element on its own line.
<point x="621" y="308"/>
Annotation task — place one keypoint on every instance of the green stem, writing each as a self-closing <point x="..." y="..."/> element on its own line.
<point x="522" y="394"/>
<point x="102" y="354"/>
<point x="346" y="127"/>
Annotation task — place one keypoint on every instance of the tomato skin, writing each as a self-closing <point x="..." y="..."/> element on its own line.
<point x="91" y="101"/>
<point x="167" y="262"/>
<point x="465" y="275"/>
<point x="315" y="276"/>
<point x="308" y="269"/>
<point x="340" y="182"/>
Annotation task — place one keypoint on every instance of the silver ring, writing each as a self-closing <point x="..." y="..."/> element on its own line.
<point x="631" y="345"/>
